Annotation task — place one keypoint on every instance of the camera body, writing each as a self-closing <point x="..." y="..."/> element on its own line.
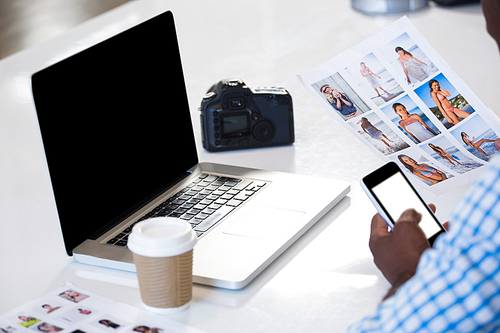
<point x="234" y="116"/>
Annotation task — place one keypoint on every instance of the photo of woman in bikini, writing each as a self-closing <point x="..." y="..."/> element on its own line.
<point x="447" y="153"/>
<point x="454" y="160"/>
<point x="445" y="102"/>
<point x="440" y="97"/>
<point x="73" y="296"/>
<point x="478" y="138"/>
<point x="425" y="172"/>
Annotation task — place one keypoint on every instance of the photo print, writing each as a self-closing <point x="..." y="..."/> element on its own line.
<point x="341" y="97"/>
<point x="411" y="120"/>
<point x="26" y="320"/>
<point x="374" y="79"/>
<point x="409" y="61"/>
<point x="108" y="323"/>
<point x="375" y="130"/>
<point x="417" y="166"/>
<point x="76" y="314"/>
<point x="477" y="137"/>
<point x="148" y="328"/>
<point x="6" y="328"/>
<point x="73" y="296"/>
<point x="50" y="307"/>
<point x="445" y="152"/>
<point x="444" y="101"/>
<point x="47" y="327"/>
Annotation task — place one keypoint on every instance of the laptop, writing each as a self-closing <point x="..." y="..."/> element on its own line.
<point x="120" y="147"/>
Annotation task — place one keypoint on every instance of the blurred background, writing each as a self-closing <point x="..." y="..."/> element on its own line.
<point x="24" y="23"/>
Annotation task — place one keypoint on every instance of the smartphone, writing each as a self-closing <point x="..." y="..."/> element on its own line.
<point x="392" y="193"/>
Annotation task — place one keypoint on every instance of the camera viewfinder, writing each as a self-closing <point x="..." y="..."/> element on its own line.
<point x="236" y="103"/>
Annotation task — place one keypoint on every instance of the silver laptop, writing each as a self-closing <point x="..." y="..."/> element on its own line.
<point x="119" y="143"/>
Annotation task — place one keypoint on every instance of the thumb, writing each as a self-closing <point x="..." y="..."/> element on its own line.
<point x="410" y="215"/>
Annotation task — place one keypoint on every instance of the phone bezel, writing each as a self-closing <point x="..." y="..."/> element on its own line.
<point x="381" y="174"/>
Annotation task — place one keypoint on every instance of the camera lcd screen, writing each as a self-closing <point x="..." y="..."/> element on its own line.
<point x="235" y="125"/>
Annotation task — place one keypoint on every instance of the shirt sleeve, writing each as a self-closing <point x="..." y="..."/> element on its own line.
<point x="333" y="103"/>
<point x="457" y="284"/>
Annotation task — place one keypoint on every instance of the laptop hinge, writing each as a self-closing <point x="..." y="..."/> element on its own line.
<point x="138" y="206"/>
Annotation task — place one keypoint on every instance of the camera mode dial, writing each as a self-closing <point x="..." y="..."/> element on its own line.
<point x="209" y="96"/>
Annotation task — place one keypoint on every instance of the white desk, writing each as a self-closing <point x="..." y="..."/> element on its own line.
<point x="327" y="279"/>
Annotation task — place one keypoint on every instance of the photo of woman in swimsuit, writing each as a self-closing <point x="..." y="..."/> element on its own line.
<point x="477" y="145"/>
<point x="413" y="124"/>
<point x="440" y="97"/>
<point x="478" y="136"/>
<point x="413" y="68"/>
<point x="422" y="170"/>
<point x="444" y="154"/>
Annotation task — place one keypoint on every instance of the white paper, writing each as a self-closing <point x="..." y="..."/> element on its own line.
<point x="457" y="162"/>
<point x="71" y="309"/>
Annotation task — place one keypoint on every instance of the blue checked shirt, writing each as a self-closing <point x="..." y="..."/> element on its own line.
<point x="457" y="284"/>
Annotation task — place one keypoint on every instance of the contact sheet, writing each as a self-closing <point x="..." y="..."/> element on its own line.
<point x="401" y="98"/>
<point x="72" y="309"/>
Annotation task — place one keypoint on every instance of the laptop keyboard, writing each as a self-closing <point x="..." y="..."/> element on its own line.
<point x="203" y="203"/>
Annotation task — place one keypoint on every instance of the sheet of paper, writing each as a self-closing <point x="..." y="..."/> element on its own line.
<point x="397" y="94"/>
<point x="71" y="309"/>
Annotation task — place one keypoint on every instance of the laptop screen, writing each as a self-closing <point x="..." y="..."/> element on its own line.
<point x="115" y="125"/>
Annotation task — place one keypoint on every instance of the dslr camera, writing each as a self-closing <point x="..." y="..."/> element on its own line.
<point x="234" y="116"/>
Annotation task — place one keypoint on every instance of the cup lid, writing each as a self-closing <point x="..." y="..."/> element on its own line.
<point x="162" y="237"/>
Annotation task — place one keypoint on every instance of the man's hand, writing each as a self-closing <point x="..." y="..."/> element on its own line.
<point x="396" y="253"/>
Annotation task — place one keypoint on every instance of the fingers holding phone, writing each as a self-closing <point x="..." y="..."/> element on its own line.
<point x="396" y="253"/>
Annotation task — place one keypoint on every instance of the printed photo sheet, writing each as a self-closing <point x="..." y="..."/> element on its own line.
<point x="397" y="95"/>
<point x="73" y="310"/>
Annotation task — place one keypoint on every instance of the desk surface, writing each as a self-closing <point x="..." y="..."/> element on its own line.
<point x="327" y="279"/>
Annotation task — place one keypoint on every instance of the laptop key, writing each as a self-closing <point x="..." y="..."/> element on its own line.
<point x="211" y="178"/>
<point x="113" y="241"/>
<point x="241" y="185"/>
<point x="234" y="203"/>
<point x="214" y="218"/>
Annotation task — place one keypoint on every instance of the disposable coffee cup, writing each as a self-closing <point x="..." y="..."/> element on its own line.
<point x="163" y="255"/>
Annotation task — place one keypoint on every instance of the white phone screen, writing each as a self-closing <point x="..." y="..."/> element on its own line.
<point x="396" y="196"/>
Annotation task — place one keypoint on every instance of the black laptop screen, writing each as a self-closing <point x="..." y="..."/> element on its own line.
<point x="115" y="125"/>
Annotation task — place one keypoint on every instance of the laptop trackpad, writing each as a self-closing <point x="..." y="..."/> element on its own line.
<point x="266" y="223"/>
